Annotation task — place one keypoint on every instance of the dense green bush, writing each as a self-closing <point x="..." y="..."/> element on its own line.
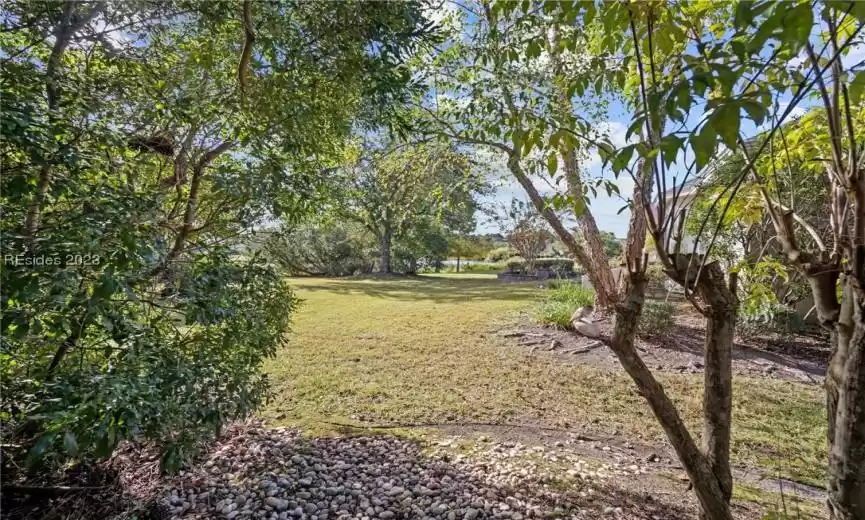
<point x="424" y="245"/>
<point x="137" y="364"/>
<point x="560" y="302"/>
<point x="500" y="254"/>
<point x="559" y="265"/>
<point x="516" y="265"/>
<point x="769" y="318"/>
<point x="330" y="249"/>
<point x="657" y="318"/>
<point x="135" y="173"/>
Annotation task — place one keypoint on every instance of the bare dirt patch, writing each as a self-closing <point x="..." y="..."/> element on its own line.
<point x="792" y="358"/>
<point x="656" y="463"/>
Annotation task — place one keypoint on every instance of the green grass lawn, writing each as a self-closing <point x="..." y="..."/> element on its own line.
<point x="425" y="350"/>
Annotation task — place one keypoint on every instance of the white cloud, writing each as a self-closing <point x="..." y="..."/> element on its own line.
<point x="855" y="55"/>
<point x="615" y="132"/>
<point x="798" y="110"/>
<point x="798" y="60"/>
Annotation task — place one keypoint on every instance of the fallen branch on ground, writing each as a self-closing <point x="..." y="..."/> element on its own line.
<point x="583" y="350"/>
<point x="51" y="490"/>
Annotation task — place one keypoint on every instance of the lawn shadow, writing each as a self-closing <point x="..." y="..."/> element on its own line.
<point x="418" y="288"/>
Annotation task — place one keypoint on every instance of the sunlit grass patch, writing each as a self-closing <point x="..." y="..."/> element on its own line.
<point x="425" y="349"/>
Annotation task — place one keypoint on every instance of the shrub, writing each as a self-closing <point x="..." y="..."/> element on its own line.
<point x="516" y="265"/>
<point x="500" y="254"/>
<point x="324" y="250"/>
<point x="481" y="268"/>
<point x="170" y="370"/>
<point x="474" y="268"/>
<point x="769" y="318"/>
<point x="657" y="319"/>
<point x="559" y="265"/>
<point x="555" y="283"/>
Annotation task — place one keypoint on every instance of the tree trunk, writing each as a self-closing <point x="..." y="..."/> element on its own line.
<point x="707" y="487"/>
<point x="606" y="283"/>
<point x="458" y="264"/>
<point x="63" y="34"/>
<point x="636" y="240"/>
<point x="603" y="299"/>
<point x="34" y="210"/>
<point x="384" y="263"/>
<point x="845" y="393"/>
<point x="845" y="384"/>
<point x="722" y="305"/>
<point x="596" y="264"/>
<point x="718" y="371"/>
<point x="189" y="215"/>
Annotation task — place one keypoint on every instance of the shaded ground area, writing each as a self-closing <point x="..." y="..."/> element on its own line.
<point x="275" y="473"/>
<point x="441" y="288"/>
<point x="795" y="358"/>
<point x="79" y="493"/>
<point x="425" y="356"/>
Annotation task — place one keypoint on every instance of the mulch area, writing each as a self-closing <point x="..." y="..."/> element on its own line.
<point x="801" y="358"/>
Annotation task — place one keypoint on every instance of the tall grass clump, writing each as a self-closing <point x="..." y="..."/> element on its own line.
<point x="562" y="298"/>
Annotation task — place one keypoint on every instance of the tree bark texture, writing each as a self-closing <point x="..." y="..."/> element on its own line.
<point x="718" y="372"/>
<point x="845" y="392"/>
<point x="721" y="309"/>
<point x="636" y="239"/>
<point x="699" y="468"/>
<point x="605" y="290"/>
<point x="384" y="260"/>
<point x="603" y="299"/>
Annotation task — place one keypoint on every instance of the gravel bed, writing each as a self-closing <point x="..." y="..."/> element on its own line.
<point x="277" y="474"/>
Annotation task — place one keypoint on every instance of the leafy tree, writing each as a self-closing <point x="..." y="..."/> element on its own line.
<point x="751" y="71"/>
<point x="424" y="245"/>
<point x="525" y="230"/>
<point x="324" y="249"/>
<point x="640" y="51"/>
<point x="500" y="253"/>
<point x="395" y="188"/>
<point x="826" y="143"/>
<point x="492" y="91"/>
<point x="467" y="246"/>
<point x="140" y="151"/>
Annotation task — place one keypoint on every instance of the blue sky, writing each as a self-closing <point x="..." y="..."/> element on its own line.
<point x="608" y="210"/>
